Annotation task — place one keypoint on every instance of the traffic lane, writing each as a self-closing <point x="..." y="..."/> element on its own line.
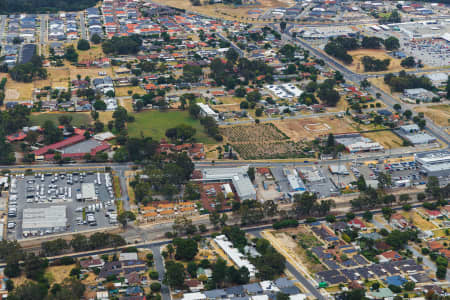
<point x="159" y="265"/>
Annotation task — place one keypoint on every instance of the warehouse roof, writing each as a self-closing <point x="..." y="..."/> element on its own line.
<point x="44" y="218"/>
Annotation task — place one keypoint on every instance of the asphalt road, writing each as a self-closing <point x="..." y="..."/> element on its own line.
<point x="159" y="265"/>
<point x="83" y="26"/>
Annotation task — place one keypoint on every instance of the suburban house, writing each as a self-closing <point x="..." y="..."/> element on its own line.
<point x="399" y="221"/>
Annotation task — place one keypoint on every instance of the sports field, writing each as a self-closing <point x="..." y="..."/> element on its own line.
<point x="155" y="123"/>
<point x="78" y="119"/>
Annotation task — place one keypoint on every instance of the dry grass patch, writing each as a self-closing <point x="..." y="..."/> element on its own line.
<point x="123" y="91"/>
<point x="105" y="116"/>
<point x="230" y="100"/>
<point x="419" y="221"/>
<point x="59" y="273"/>
<point x="311" y="128"/>
<point x="387" y="139"/>
<point x="440" y="114"/>
<point x="127" y="104"/>
<point x="91" y="72"/>
<point x="357" y="55"/>
<point x="95" y="52"/>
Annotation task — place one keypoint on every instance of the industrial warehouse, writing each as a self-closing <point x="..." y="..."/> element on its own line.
<point x="434" y="163"/>
<point x="238" y="176"/>
<point x="44" y="219"/>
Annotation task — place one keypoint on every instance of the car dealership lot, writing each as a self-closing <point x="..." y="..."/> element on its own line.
<point x="48" y="190"/>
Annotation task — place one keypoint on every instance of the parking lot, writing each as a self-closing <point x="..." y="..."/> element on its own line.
<point x="49" y="190"/>
<point x="402" y="174"/>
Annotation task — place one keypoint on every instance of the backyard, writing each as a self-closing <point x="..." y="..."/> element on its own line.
<point x="155" y="123"/>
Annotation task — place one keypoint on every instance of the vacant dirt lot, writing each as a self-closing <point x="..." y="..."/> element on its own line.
<point x="310" y="128"/>
<point x="357" y="55"/>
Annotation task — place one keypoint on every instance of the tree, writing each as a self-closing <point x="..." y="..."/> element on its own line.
<point x="361" y="183"/>
<point x="83" y="45"/>
<point x="219" y="272"/>
<point x="371" y="42"/>
<point x="192" y="73"/>
<point x="447" y="88"/>
<point x="251" y="173"/>
<point x="174" y="276"/>
<point x="126" y="216"/>
<point x="441" y="272"/>
<point x="29" y="291"/>
<point x="186" y="249"/>
<point x="433" y="187"/>
<point x="96" y="39"/>
<point x="367" y="216"/>
<point x="51" y="132"/>
<point x="365" y="84"/>
<point x="404" y="198"/>
<point x="330" y="218"/>
<point x="328" y="95"/>
<point x="391" y="43"/>
<point x="408" y="62"/>
<point x="155" y="287"/>
<point x="71" y="54"/>
<point x="409" y="285"/>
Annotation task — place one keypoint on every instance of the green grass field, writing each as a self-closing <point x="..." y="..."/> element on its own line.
<point x="78" y="119"/>
<point x="155" y="123"/>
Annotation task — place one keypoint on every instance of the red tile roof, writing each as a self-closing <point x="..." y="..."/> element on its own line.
<point x="64" y="143"/>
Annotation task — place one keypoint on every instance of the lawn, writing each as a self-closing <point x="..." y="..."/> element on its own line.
<point x="78" y="119"/>
<point x="155" y="123"/>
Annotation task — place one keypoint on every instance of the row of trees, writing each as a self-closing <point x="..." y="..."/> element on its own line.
<point x="402" y="81"/>
<point x="37" y="6"/>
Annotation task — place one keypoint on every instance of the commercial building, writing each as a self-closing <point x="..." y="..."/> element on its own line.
<point x="285" y="91"/>
<point x="434" y="163"/>
<point x="338" y="169"/>
<point x="44" y="219"/>
<point x="237" y="257"/>
<point x="419" y="94"/>
<point x="206" y="111"/>
<point x="295" y="182"/>
<point x="87" y="192"/>
<point x="437" y="79"/>
<point x="414" y="135"/>
<point x="237" y="176"/>
<point x="354" y="142"/>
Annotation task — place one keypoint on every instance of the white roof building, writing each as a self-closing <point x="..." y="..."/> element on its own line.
<point x="53" y="219"/>
<point x="237" y="257"/>
<point x="238" y="176"/>
<point x="437" y="79"/>
<point x="88" y="192"/>
<point x="207" y="111"/>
